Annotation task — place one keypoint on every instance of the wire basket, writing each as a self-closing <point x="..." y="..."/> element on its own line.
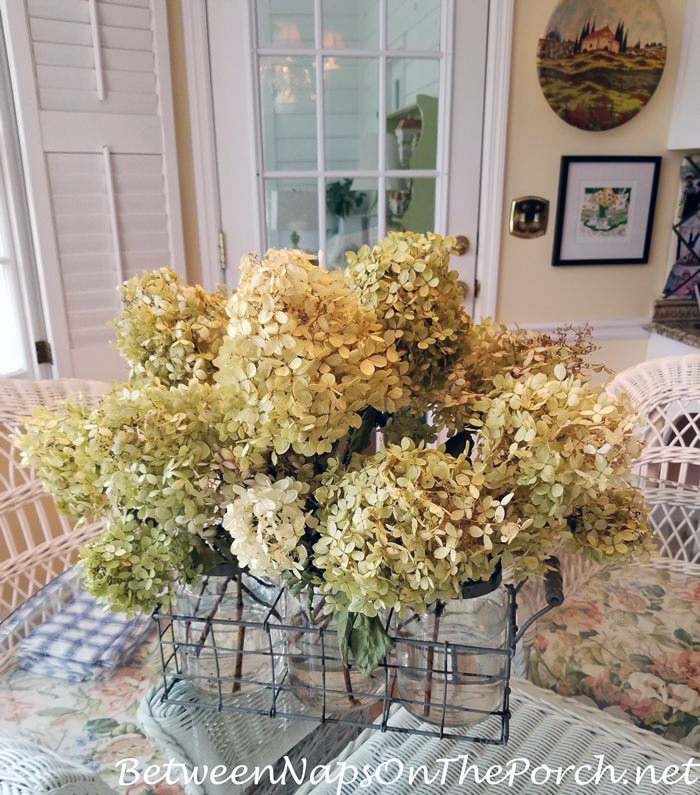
<point x="273" y="692"/>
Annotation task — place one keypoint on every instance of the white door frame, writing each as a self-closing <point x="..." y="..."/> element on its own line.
<point x="495" y="129"/>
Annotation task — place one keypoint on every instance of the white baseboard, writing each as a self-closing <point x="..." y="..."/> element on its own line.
<point x="629" y="329"/>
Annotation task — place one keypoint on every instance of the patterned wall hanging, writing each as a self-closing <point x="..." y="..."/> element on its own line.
<point x="600" y="61"/>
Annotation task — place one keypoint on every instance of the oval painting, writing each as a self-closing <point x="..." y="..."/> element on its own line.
<point x="601" y="60"/>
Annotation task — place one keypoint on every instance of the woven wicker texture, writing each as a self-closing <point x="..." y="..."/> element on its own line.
<point x="546" y="730"/>
<point x="668" y="393"/>
<point x="36" y="544"/>
<point x="26" y="769"/>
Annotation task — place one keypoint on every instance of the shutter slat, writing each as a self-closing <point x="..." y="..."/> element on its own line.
<point x="119" y="15"/>
<point x="77" y="77"/>
<point x="87" y="102"/>
<point x="98" y="222"/>
<point x="53" y="54"/>
<point x="84" y="236"/>
<point x="56" y="32"/>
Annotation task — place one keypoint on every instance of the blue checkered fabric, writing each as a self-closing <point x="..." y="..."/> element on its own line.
<point x="82" y="641"/>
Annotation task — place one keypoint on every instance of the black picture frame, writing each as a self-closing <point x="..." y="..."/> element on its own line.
<point x="566" y="162"/>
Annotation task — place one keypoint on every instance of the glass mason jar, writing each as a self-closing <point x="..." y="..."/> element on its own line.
<point x="441" y="683"/>
<point x="314" y="663"/>
<point x="224" y="647"/>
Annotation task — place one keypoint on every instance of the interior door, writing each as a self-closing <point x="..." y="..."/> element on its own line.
<point x="336" y="122"/>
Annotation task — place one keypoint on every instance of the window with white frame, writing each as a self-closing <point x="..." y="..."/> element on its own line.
<point x="351" y="99"/>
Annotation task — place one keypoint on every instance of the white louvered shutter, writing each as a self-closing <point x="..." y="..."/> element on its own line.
<point x="92" y="85"/>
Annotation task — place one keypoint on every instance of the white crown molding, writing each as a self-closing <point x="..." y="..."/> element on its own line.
<point x="629" y="329"/>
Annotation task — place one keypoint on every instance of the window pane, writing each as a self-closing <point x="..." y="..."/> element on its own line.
<point x="288" y="103"/>
<point x="350" y="107"/>
<point x="412" y="112"/>
<point x="351" y="217"/>
<point x="410" y="204"/>
<point x="291" y="209"/>
<point x="285" y="23"/>
<point x="413" y="24"/>
<point x="12" y="348"/>
<point x="351" y="24"/>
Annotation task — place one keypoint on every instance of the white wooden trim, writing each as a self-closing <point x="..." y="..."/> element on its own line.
<point x="96" y="50"/>
<point x="320" y="136"/>
<point x="493" y="161"/>
<point x="628" y="329"/>
<point x="19" y="227"/>
<point x="19" y="49"/>
<point x="206" y="177"/>
<point x="445" y="103"/>
<point x="683" y="131"/>
<point x="161" y="48"/>
<point x="113" y="219"/>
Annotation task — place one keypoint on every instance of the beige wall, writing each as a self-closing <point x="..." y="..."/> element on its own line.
<point x="530" y="289"/>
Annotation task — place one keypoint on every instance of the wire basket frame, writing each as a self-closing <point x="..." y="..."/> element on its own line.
<point x="273" y="691"/>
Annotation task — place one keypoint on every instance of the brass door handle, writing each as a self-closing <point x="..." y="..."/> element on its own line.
<point x="461" y="245"/>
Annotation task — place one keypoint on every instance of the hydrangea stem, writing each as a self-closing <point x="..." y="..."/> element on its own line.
<point x="240" y="635"/>
<point x="439" y="608"/>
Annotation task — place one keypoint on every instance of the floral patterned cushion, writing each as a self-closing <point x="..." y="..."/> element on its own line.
<point x="629" y="639"/>
<point x="91" y="723"/>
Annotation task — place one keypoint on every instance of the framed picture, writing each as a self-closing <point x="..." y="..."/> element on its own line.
<point x="605" y="210"/>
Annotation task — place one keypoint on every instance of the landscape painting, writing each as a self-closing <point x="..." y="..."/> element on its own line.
<point x="600" y="61"/>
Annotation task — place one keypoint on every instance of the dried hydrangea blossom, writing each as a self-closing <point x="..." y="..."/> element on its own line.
<point x="301" y="359"/>
<point x="613" y="528"/>
<point x="404" y="528"/>
<point x="266" y="521"/>
<point x="406" y="280"/>
<point x="133" y="564"/>
<point x="164" y="458"/>
<point x="562" y="447"/>
<point x="169" y="331"/>
<point x="56" y="444"/>
<point x="493" y="349"/>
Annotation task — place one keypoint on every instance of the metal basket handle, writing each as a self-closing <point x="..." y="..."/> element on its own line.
<point x="553" y="594"/>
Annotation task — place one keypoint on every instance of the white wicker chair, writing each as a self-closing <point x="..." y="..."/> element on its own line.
<point x="668" y="394"/>
<point x="36" y="544"/>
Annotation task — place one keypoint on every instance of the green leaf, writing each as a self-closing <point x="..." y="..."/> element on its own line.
<point x="101" y="725"/>
<point x="683" y="637"/>
<point x="344" y="621"/>
<point x="363" y="638"/>
<point x="369" y="643"/>
<point x="641" y="659"/>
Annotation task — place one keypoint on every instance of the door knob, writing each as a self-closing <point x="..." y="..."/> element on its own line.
<point x="461" y="245"/>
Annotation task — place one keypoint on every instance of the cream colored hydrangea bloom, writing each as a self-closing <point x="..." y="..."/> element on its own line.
<point x="266" y="521"/>
<point x="406" y="280"/>
<point x="302" y="359"/>
<point x="406" y="527"/>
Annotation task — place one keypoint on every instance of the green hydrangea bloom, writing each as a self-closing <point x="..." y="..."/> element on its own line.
<point x="169" y="331"/>
<point x="57" y="445"/>
<point x="134" y="563"/>
<point x="406" y="280"/>
<point x="406" y="527"/>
